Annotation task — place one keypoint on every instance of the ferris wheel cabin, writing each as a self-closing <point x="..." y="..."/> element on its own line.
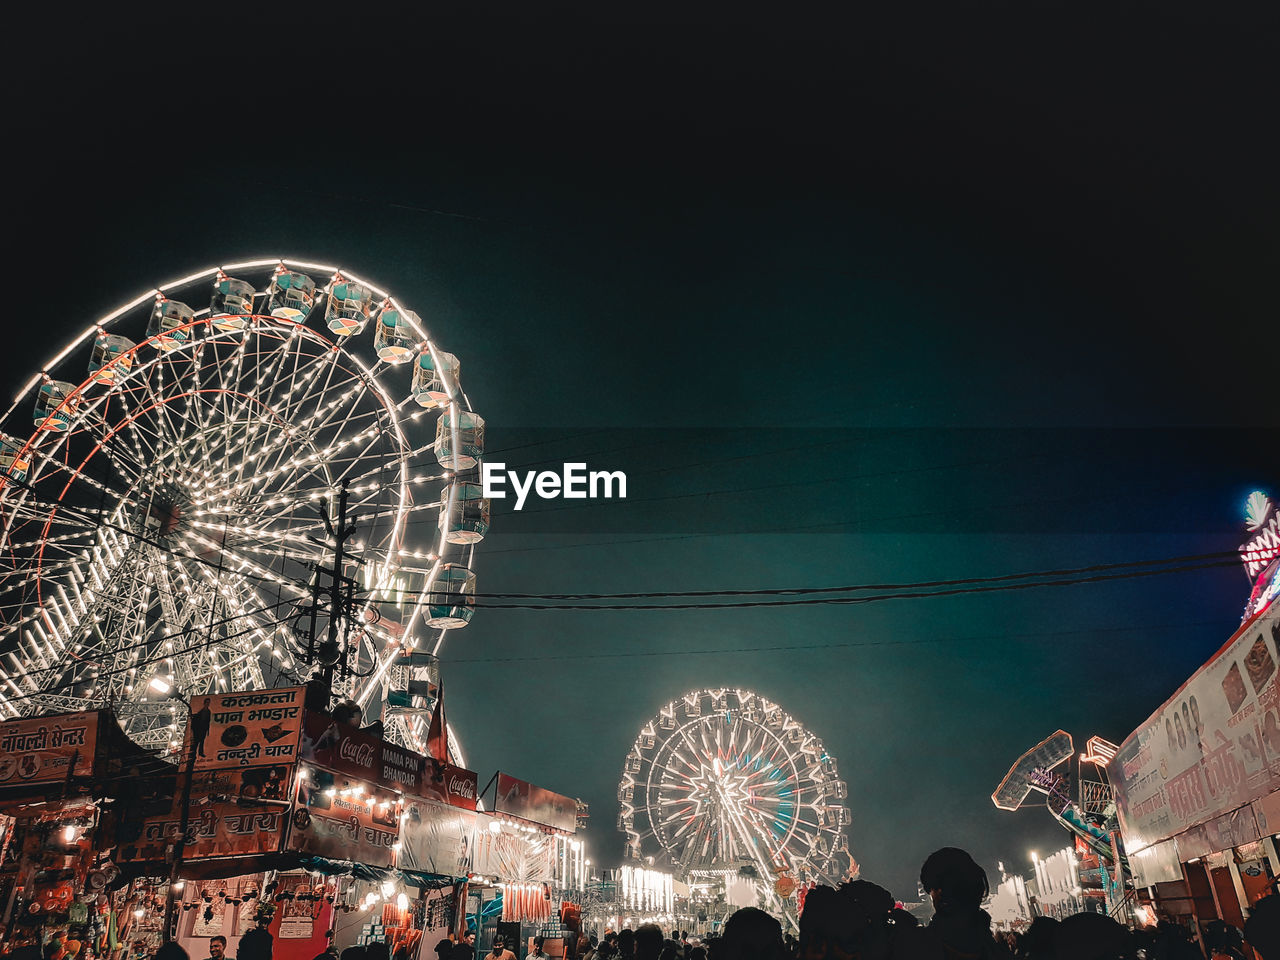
<point x="464" y="512"/>
<point x="291" y="296"/>
<point x="166" y="318"/>
<point x="55" y="405"/>
<point x="459" y="439"/>
<point x="12" y="465"/>
<point x="232" y="304"/>
<point x="397" y="337"/>
<point x="111" y="359"/>
<point x="347" y="310"/>
<point x="435" y="378"/>
<point x="451" y="600"/>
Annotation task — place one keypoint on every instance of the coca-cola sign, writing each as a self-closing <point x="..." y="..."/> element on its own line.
<point x="445" y="783"/>
<point x="361" y="754"/>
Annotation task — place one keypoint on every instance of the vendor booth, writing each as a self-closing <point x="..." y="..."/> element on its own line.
<point x="278" y="817"/>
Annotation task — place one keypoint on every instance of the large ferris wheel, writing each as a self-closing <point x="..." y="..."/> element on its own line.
<point x="169" y="482"/>
<point x="721" y="779"/>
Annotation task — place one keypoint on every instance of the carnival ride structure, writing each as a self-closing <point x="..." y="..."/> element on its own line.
<point x="724" y="782"/>
<point x="166" y="501"/>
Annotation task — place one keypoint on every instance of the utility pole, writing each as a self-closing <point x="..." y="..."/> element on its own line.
<point x="335" y="586"/>
<point x="341" y="593"/>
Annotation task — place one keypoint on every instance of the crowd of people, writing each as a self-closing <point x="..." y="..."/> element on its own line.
<point x="862" y="921"/>
<point x="857" y="921"/>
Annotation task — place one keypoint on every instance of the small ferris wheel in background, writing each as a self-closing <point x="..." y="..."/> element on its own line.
<point x="165" y="488"/>
<point x="723" y="779"/>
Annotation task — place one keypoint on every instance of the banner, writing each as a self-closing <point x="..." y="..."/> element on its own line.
<point x="445" y="783"/>
<point x="346" y="749"/>
<point x="44" y="749"/>
<point x="247" y="728"/>
<point x="345" y="819"/>
<point x="1212" y="748"/>
<point x="231" y="814"/>
<point x="437" y="838"/>
<point x="517" y="798"/>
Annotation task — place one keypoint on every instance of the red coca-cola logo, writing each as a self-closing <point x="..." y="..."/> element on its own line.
<point x="360" y="754"/>
<point x="462" y="787"/>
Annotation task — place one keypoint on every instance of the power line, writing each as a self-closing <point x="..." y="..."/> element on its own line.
<point x="911" y="585"/>
<point x="820" y="601"/>
<point x="839" y="645"/>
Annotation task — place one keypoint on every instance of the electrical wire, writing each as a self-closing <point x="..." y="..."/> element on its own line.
<point x="820" y="601"/>
<point x="837" y="645"/>
<point x="156" y="659"/>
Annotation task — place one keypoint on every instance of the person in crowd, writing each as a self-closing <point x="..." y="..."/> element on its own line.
<point x="1262" y="929"/>
<point x="171" y="951"/>
<point x="957" y="886"/>
<point x="377" y="951"/>
<point x="500" y="951"/>
<point x="1173" y="942"/>
<point x="648" y="941"/>
<point x="1037" y="942"/>
<point x="627" y="944"/>
<point x="1090" y="936"/>
<point x="750" y="934"/>
<point x="465" y="948"/>
<point x="217" y="948"/>
<point x="256" y="944"/>
<point x="537" y="953"/>
<point x="586" y="949"/>
<point x="355" y="953"/>
<point x="606" y="950"/>
<point x="1223" y="941"/>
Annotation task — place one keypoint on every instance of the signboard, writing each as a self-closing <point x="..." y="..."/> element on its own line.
<point x="247" y="728"/>
<point x="347" y="749"/>
<point x="517" y="798"/>
<point x="445" y="783"/>
<point x="345" y="819"/>
<point x="44" y="749"/>
<point x="1261" y="552"/>
<point x="437" y="838"/>
<point x="231" y="814"/>
<point x="1212" y="748"/>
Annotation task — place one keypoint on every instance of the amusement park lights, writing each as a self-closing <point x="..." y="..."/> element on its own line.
<point x="163" y="507"/>
<point x="722" y="778"/>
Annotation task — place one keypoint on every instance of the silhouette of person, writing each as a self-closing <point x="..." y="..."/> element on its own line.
<point x="200" y="722"/>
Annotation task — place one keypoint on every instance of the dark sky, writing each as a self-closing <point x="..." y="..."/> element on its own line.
<point x="914" y="292"/>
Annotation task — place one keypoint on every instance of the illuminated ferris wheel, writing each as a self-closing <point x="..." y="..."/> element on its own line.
<point x="722" y="779"/>
<point x="169" y="481"/>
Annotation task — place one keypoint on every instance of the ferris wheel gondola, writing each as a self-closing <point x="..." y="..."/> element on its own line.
<point x="160" y="498"/>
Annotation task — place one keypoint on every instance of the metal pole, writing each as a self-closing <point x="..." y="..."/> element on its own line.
<point x="335" y="585"/>
<point x="179" y="847"/>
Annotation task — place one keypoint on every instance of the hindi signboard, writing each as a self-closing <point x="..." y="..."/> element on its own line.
<point x="1213" y="748"/>
<point x="518" y="798"/>
<point x="232" y="813"/>
<point x="249" y="728"/>
<point x="345" y="819"/>
<point x="45" y="749"/>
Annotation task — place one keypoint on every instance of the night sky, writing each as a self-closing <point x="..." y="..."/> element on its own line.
<point x="912" y="293"/>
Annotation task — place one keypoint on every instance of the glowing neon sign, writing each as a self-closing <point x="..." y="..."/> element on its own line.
<point x="1261" y="551"/>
